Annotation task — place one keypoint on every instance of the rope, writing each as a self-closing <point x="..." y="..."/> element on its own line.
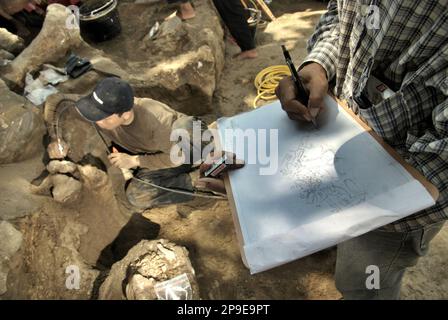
<point x="184" y="192"/>
<point x="267" y="80"/>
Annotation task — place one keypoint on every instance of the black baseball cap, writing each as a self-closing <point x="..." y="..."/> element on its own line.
<point x="111" y="95"/>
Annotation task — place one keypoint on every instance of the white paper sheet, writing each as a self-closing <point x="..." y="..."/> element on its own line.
<point x="332" y="184"/>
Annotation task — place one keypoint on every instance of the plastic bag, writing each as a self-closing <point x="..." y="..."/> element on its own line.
<point x="177" y="288"/>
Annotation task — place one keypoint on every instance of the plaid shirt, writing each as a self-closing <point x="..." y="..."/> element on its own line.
<point x="409" y="52"/>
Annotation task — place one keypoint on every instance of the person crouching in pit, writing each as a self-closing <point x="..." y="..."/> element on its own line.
<point x="140" y="130"/>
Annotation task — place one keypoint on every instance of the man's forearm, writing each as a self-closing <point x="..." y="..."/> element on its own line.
<point x="156" y="161"/>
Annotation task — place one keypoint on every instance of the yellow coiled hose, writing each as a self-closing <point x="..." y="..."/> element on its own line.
<point x="267" y="80"/>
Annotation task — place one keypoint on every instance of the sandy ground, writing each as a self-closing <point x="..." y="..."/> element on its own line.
<point x="205" y="227"/>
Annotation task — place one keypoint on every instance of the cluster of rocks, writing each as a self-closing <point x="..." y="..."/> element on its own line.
<point x="10" y="46"/>
<point x="185" y="65"/>
<point x="147" y="265"/>
<point x="21" y="132"/>
<point x="21" y="127"/>
<point x="66" y="179"/>
<point x="184" y="77"/>
<point x="11" y="242"/>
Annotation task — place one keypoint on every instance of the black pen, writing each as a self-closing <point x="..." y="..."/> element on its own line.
<point x="303" y="95"/>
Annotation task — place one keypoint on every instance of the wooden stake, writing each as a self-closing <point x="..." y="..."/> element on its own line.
<point x="266" y="9"/>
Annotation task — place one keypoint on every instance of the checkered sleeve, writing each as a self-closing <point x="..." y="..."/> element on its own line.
<point x="429" y="153"/>
<point x="323" y="44"/>
<point x="427" y="145"/>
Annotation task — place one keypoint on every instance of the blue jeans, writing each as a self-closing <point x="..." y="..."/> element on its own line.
<point x="391" y="252"/>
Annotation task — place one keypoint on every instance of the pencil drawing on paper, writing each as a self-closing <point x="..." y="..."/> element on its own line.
<point x="312" y="170"/>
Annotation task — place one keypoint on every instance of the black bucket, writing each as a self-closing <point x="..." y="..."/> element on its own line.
<point x="99" y="19"/>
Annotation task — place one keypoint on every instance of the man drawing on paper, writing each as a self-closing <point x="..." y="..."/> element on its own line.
<point x="407" y="50"/>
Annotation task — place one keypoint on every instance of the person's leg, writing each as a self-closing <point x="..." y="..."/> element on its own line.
<point x="186" y="10"/>
<point x="235" y="18"/>
<point x="144" y="196"/>
<point x="390" y="252"/>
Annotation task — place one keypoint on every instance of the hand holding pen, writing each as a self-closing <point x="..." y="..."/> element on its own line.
<point x="303" y="100"/>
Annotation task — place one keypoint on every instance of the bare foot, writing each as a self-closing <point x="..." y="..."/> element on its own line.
<point x="186" y="11"/>
<point x="248" y="54"/>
